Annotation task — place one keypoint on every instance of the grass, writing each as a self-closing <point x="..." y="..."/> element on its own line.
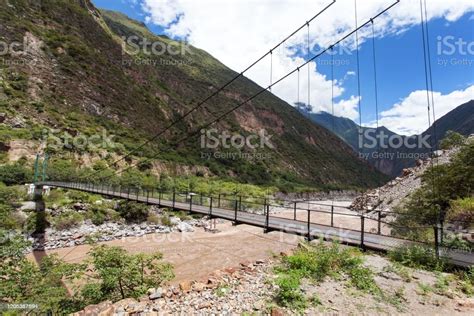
<point x="316" y="263"/>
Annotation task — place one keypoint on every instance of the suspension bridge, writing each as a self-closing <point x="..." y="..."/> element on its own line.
<point x="365" y="231"/>
<point x="270" y="216"/>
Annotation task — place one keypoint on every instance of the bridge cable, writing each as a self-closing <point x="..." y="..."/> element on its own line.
<point x="190" y="111"/>
<point x="262" y="90"/>
<point x="358" y="69"/>
<point x="309" y="76"/>
<point x="376" y="95"/>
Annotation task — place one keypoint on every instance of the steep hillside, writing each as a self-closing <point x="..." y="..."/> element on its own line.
<point x="77" y="75"/>
<point x="392" y="161"/>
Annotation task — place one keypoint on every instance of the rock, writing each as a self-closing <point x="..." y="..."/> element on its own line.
<point x="3" y="117"/>
<point x="185" y="286"/>
<point x="28" y="206"/>
<point x="157" y="294"/>
<point x="468" y="302"/>
<point x="198" y="286"/>
<point x="204" y="305"/>
<point x="184" y="227"/>
<point x="277" y="312"/>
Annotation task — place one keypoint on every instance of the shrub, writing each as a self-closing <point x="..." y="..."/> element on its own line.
<point x="119" y="275"/>
<point x="133" y="212"/>
<point x="67" y="220"/>
<point x="289" y="293"/>
<point x="452" y="139"/>
<point x="15" y="174"/>
<point x="418" y="257"/>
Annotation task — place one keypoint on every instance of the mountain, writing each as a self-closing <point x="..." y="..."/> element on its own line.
<point x="79" y="72"/>
<point x="392" y="161"/>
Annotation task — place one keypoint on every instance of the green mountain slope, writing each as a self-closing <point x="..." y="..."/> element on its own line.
<point x="78" y="76"/>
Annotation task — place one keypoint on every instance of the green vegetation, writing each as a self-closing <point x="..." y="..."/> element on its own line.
<point x="112" y="274"/>
<point x="133" y="212"/>
<point x="15" y="174"/>
<point x="452" y="139"/>
<point x="418" y="257"/>
<point x="9" y="197"/>
<point x="315" y="263"/>
<point x="445" y="194"/>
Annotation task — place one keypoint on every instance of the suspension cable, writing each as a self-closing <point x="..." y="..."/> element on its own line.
<point x="358" y="68"/>
<point x="309" y="76"/>
<point x="215" y="93"/>
<point x="262" y="90"/>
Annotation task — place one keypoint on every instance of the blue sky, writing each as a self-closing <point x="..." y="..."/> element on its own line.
<point x="400" y="64"/>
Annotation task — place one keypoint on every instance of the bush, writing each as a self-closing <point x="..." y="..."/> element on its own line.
<point x="119" y="275"/>
<point x="452" y="139"/>
<point x="15" y="174"/>
<point x="67" y="220"/>
<point x="133" y="212"/>
<point x="418" y="257"/>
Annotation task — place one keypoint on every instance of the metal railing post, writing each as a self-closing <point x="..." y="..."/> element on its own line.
<point x="190" y="202"/>
<point x="210" y="207"/>
<point x="362" y="231"/>
<point x="138" y="192"/>
<point x="174" y="198"/>
<point x="235" y="212"/>
<point x="332" y="215"/>
<point x="128" y="193"/>
<point x="379" y="226"/>
<point x="267" y="217"/>
<point x="219" y="201"/>
<point x="309" y="226"/>
<point x="436" y="236"/>
<point x="147" y="196"/>
<point x="159" y="196"/>
<point x="240" y="203"/>
<point x="294" y="212"/>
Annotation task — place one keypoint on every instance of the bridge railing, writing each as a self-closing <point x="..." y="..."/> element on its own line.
<point x="329" y="215"/>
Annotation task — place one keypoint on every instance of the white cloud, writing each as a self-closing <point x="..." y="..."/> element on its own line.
<point x="239" y="31"/>
<point x="410" y="116"/>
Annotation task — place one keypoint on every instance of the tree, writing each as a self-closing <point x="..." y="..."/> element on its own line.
<point x="119" y="275"/>
<point x="133" y="212"/>
<point x="452" y="139"/>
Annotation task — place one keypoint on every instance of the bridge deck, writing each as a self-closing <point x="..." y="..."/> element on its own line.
<point x="346" y="236"/>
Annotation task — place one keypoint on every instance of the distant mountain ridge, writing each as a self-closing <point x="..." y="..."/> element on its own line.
<point x="460" y="120"/>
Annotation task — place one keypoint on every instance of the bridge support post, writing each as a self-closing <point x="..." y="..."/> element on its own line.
<point x="210" y="208"/>
<point x="236" y="206"/>
<point x="362" y="232"/>
<point x="174" y="198"/>
<point x="332" y="215"/>
<point x="267" y="216"/>
<point x="379" y="226"/>
<point x="437" y="239"/>
<point x="308" y="237"/>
